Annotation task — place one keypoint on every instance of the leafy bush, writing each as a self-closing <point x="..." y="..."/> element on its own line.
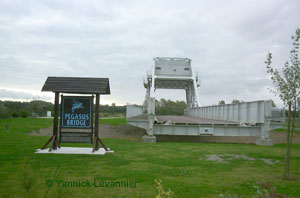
<point x="14" y="114"/>
<point x="23" y="113"/>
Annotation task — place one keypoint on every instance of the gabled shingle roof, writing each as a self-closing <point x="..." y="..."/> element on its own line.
<point x="77" y="85"/>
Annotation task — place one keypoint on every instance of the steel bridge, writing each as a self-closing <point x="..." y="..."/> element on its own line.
<point x="254" y="118"/>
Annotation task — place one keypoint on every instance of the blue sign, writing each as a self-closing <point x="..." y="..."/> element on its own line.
<point x="76" y="112"/>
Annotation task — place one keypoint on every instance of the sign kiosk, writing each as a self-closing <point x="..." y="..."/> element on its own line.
<point x="77" y="116"/>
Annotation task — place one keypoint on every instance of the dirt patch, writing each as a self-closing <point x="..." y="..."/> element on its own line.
<point x="42" y="132"/>
<point x="122" y="131"/>
<point x="277" y="138"/>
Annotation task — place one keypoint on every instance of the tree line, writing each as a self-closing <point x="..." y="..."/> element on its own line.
<point x="35" y="108"/>
<point x="39" y="108"/>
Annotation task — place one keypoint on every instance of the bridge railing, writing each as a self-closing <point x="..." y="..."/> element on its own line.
<point x="278" y="114"/>
<point x="246" y="112"/>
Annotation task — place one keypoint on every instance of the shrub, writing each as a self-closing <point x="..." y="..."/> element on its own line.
<point x="23" y="113"/>
<point x="14" y="114"/>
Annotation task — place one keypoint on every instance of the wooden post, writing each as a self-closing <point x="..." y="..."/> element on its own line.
<point x="96" y="137"/>
<point x="97" y="122"/>
<point x="105" y="148"/>
<point x="52" y="143"/>
<point x="55" y="120"/>
<point x="47" y="143"/>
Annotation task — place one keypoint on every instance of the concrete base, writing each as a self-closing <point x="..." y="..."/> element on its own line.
<point x="149" y="138"/>
<point x="74" y="150"/>
<point x="264" y="141"/>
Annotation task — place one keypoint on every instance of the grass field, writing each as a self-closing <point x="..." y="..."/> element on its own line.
<point x="182" y="167"/>
<point x="113" y="121"/>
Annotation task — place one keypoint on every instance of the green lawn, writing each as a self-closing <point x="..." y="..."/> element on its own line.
<point x="113" y="121"/>
<point x="182" y="167"/>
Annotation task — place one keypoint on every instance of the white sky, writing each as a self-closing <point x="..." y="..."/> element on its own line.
<point x="226" y="40"/>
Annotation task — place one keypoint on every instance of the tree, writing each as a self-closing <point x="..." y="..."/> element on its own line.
<point x="23" y="113"/>
<point x="273" y="104"/>
<point x="169" y="107"/>
<point x="37" y="107"/>
<point x="287" y="87"/>
<point x="235" y="101"/>
<point x="221" y="102"/>
<point x="4" y="112"/>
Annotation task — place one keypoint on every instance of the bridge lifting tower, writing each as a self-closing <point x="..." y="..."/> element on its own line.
<point x="172" y="73"/>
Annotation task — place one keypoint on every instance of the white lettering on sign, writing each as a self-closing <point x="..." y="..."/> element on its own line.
<point x="76" y="122"/>
<point x="76" y="116"/>
<point x="76" y="119"/>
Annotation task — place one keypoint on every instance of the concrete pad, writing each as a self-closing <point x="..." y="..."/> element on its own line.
<point x="74" y="150"/>
<point x="215" y="158"/>
<point x="270" y="161"/>
<point x="149" y="138"/>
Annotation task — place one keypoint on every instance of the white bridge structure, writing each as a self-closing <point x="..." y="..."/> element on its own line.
<point x="255" y="118"/>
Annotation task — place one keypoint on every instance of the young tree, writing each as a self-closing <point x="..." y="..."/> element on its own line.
<point x="287" y="87"/>
<point x="235" y="101"/>
<point x="221" y="102"/>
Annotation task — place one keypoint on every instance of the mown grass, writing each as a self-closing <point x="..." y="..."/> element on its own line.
<point x="113" y="121"/>
<point x="182" y="167"/>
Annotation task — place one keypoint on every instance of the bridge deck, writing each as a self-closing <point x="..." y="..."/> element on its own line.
<point x="161" y="119"/>
<point x="193" y="120"/>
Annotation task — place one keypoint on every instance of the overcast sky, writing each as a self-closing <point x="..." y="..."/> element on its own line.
<point x="226" y="40"/>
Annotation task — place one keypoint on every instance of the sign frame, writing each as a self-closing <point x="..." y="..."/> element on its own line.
<point x="91" y="112"/>
<point x="76" y="85"/>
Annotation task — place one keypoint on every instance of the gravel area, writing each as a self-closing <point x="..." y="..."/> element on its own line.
<point x="126" y="131"/>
